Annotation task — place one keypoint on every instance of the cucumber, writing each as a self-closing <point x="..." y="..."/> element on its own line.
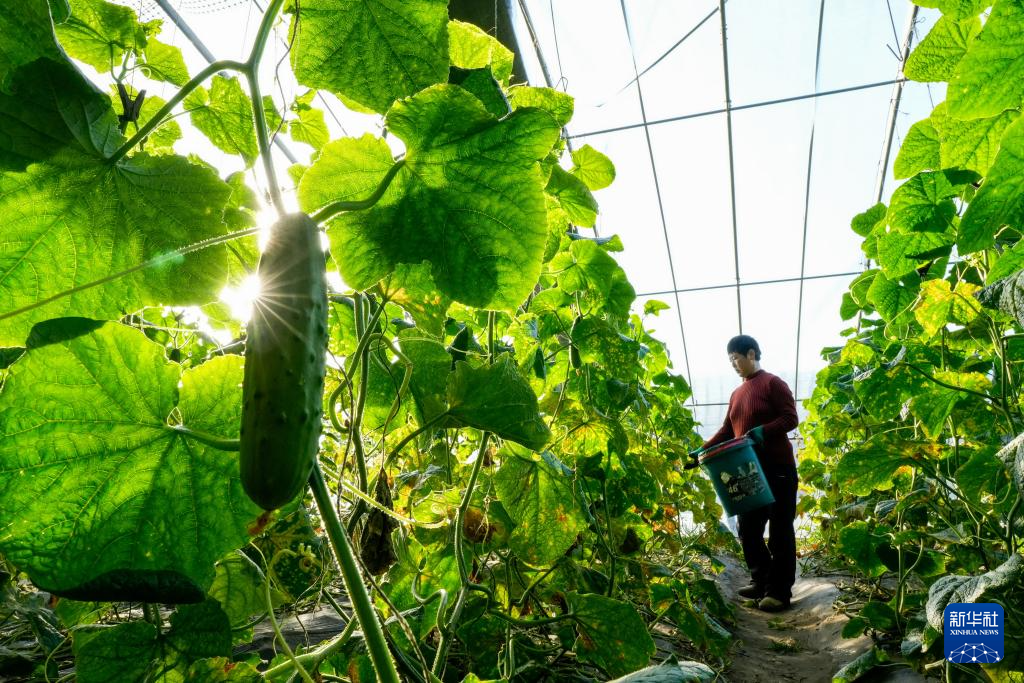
<point x="285" y="349"/>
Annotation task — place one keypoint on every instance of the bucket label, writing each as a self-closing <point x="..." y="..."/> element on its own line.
<point x="743" y="482"/>
<point x="973" y="632"/>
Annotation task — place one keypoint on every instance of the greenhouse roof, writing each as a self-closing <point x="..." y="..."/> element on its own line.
<point x="746" y="135"/>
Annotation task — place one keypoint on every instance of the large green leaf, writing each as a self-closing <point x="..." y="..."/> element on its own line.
<point x="935" y="403"/>
<point x="969" y="144"/>
<point x="134" y="652"/>
<point x="469" y="200"/>
<point x="941" y="304"/>
<point x="26" y="34"/>
<point x="538" y="495"/>
<point x="857" y="542"/>
<point x="1006" y="295"/>
<point x="919" y="151"/>
<point x="431" y="365"/>
<point x="347" y="169"/>
<point x="574" y="197"/>
<point x="586" y="267"/>
<point x="99" y="33"/>
<point x="890" y="297"/>
<point x="592" y="167"/>
<point x="224" y="115"/>
<point x="372" y="52"/>
<point x="76" y="219"/>
<point x="612" y="636"/>
<point x="958" y="588"/>
<point x="555" y="102"/>
<point x="310" y="126"/>
<point x="990" y="77"/>
<point x="870" y="468"/>
<point x="957" y="9"/>
<point x="923" y="203"/>
<point x="97" y="486"/>
<point x="1000" y="201"/>
<point x="52" y="106"/>
<point x="901" y="253"/>
<point x="472" y="48"/>
<point x="165" y="62"/>
<point x="496" y="398"/>
<point x="936" y="57"/>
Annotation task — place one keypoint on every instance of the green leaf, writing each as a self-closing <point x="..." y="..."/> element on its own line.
<point x="940" y="304"/>
<point x="592" y="167"/>
<point x="611" y="635"/>
<point x="890" y="297"/>
<point x="555" y="102"/>
<point x="496" y="398"/>
<point x="671" y="672"/>
<point x="223" y="670"/>
<point x="165" y="63"/>
<point x="901" y="253"/>
<point x="372" y="52"/>
<point x="870" y="468"/>
<point x="76" y="219"/>
<point x="114" y="653"/>
<point x="857" y="542"/>
<point x="431" y="365"/>
<point x="93" y="475"/>
<point x="52" y="107"/>
<point x="310" y="127"/>
<point x="100" y="33"/>
<point x="1007" y="295"/>
<point x="865" y="223"/>
<point x="970" y="144"/>
<point x="469" y="199"/>
<point x="879" y="615"/>
<point x="574" y="197"/>
<point x="923" y="203"/>
<point x="935" y="403"/>
<point x="1000" y="201"/>
<point x="135" y="651"/>
<point x="26" y="34"/>
<point x="412" y="287"/>
<point x="238" y="588"/>
<point x="588" y="268"/>
<point x="981" y="476"/>
<point x="224" y="115"/>
<point x="346" y="170"/>
<point x="539" y="497"/>
<point x="853" y="671"/>
<point x="654" y="307"/>
<point x="471" y="48"/>
<point x="990" y="77"/>
<point x="163" y="137"/>
<point x="936" y="57"/>
<point x="481" y="83"/>
<point x="919" y="152"/>
<point x="956" y="588"/>
<point x="957" y="9"/>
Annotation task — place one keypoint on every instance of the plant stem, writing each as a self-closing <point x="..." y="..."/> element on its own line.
<point x="383" y="664"/>
<point x="158" y="118"/>
<point x="221" y="444"/>
<point x="331" y="210"/>
<point x="313" y="659"/>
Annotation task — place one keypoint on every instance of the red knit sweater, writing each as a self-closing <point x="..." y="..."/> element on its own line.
<point x="763" y="399"/>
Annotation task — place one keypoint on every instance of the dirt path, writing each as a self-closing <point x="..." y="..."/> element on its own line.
<point x="803" y="644"/>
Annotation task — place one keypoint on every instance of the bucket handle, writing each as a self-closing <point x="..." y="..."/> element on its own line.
<point x="693" y="455"/>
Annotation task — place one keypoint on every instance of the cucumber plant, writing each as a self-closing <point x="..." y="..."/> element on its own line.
<point x="480" y="395"/>
<point x="913" y="434"/>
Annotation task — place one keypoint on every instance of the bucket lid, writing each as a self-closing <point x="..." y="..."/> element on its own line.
<point x="731" y="444"/>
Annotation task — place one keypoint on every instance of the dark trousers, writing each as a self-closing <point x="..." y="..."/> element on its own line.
<point x="773" y="566"/>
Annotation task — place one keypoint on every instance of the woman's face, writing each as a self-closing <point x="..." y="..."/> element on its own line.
<point x="743" y="364"/>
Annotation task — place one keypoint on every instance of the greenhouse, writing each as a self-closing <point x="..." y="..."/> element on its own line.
<point x="627" y="340"/>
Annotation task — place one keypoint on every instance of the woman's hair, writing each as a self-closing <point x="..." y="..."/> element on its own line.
<point x="741" y="344"/>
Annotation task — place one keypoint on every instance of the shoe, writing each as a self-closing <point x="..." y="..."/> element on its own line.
<point x="770" y="604"/>
<point x="751" y="590"/>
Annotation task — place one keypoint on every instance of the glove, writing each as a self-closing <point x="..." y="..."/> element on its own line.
<point x="693" y="455"/>
<point x="756" y="435"/>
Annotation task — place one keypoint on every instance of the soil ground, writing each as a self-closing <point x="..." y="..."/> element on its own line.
<point x="801" y="645"/>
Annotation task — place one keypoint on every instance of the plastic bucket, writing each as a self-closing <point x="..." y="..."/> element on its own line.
<point x="737" y="476"/>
